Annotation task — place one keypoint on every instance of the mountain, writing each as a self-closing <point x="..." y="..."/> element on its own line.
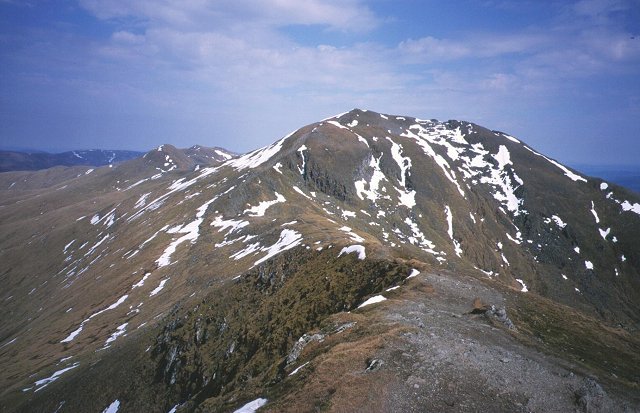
<point x="366" y="262"/>
<point x="32" y="161"/>
<point x="27" y="161"/>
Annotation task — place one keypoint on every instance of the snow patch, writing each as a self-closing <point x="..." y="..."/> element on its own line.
<point x="511" y="138"/>
<point x="141" y="282"/>
<point x="113" y="407"/>
<point x="41" y="384"/>
<point x="9" y="342"/>
<point x="288" y="239"/>
<point x="260" y="209"/>
<point x="558" y="221"/>
<point x="403" y="162"/>
<point x="359" y="249"/>
<point x="628" y="206"/>
<point x="93" y="248"/>
<point x="159" y="287"/>
<point x="347" y="214"/>
<point x="120" y="330"/>
<point x="257" y="157"/>
<point x="372" y="300"/>
<point x="231" y="225"/>
<point x="355" y="237"/>
<point x="178" y="185"/>
<point x="574" y="177"/>
<point x="595" y="214"/>
<point x="500" y="179"/>
<point x="406" y="198"/>
<point x="374" y="184"/>
<point x="456" y="244"/>
<point x="516" y="240"/>
<point x="524" y="286"/>
<point x="223" y="155"/>
<point x="75" y="333"/>
<point x="66" y="247"/>
<point x="418" y="238"/>
<point x="503" y="157"/>
<point x="334" y="123"/>
<point x="251" y="407"/>
<point x="423" y="137"/>
<point x="304" y="161"/>
<point x="298" y="190"/>
<point x="413" y="273"/>
<point x="142" y="201"/>
<point x="191" y="231"/>
<point x="298" y="369"/>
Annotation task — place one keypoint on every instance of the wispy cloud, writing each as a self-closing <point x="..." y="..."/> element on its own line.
<point x="348" y="15"/>
<point x="600" y="9"/>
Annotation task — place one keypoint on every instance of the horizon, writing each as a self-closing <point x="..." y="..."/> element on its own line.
<point x="560" y="76"/>
<point x="602" y="167"/>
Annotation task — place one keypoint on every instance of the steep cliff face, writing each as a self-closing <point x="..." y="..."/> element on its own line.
<point x="182" y="279"/>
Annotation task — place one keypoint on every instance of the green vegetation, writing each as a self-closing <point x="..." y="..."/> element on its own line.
<point x="612" y="353"/>
<point x="237" y="340"/>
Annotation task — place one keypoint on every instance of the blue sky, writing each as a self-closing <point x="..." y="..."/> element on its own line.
<point x="563" y="76"/>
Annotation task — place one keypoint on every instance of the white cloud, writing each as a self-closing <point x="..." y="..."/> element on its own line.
<point x="199" y="63"/>
<point x="347" y="15"/>
<point x="600" y="8"/>
<point x="431" y="48"/>
<point x="236" y="46"/>
<point x="474" y="45"/>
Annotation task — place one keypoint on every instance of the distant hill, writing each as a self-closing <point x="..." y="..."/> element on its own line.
<point x="33" y="161"/>
<point x="627" y="176"/>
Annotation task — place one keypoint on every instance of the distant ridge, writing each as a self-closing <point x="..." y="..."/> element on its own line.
<point x="34" y="161"/>
<point x="623" y="175"/>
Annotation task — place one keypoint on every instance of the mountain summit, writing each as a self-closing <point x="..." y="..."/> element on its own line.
<point x="366" y="262"/>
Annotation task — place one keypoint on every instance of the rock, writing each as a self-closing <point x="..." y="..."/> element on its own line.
<point x="500" y="314"/>
<point x="590" y="396"/>
<point x="300" y="345"/>
<point x="373" y="365"/>
<point x="308" y="338"/>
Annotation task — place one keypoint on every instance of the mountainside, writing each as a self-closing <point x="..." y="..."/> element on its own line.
<point x="493" y="278"/>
